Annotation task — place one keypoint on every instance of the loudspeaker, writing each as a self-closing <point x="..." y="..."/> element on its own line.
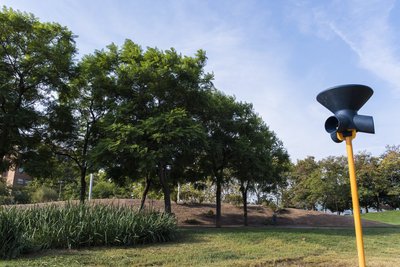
<point x="345" y="101"/>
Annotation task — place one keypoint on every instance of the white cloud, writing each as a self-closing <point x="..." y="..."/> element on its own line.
<point x="365" y="27"/>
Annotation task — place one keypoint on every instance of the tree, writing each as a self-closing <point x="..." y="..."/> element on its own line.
<point x="258" y="157"/>
<point x="390" y="171"/>
<point x="334" y="188"/>
<point x="371" y="185"/>
<point x="306" y="181"/>
<point x="36" y="63"/>
<point x="73" y="129"/>
<point x="219" y="121"/>
<point x="154" y="124"/>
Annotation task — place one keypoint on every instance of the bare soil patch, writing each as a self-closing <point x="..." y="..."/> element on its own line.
<point x="258" y="216"/>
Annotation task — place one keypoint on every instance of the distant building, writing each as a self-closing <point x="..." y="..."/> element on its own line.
<point x="16" y="177"/>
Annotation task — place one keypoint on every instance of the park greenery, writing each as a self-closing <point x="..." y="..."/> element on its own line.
<point x="137" y="115"/>
<point x="325" y="183"/>
<point x="147" y="122"/>
<point x="76" y="226"/>
<point x="238" y="247"/>
<point x="150" y="123"/>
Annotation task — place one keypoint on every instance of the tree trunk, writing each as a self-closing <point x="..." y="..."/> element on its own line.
<point x="83" y="185"/>
<point x="145" y="191"/>
<point x="164" y="184"/>
<point x="378" y="204"/>
<point x="366" y="208"/>
<point x="3" y="151"/>
<point x="218" y="203"/>
<point x="178" y="194"/>
<point x="244" y="198"/>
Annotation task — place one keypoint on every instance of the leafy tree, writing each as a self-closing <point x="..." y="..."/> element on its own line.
<point x="36" y="62"/>
<point x="219" y="121"/>
<point x="334" y="188"/>
<point x="306" y="181"/>
<point x="153" y="129"/>
<point x="390" y="171"/>
<point x="258" y="156"/>
<point x="73" y="130"/>
<point x="371" y="185"/>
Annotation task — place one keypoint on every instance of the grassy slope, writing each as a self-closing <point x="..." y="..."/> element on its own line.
<point x="391" y="217"/>
<point x="239" y="247"/>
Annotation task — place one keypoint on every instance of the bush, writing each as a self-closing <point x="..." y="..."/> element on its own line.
<point x="5" y="197"/>
<point x="104" y="189"/>
<point x="6" y="200"/>
<point x="76" y="226"/>
<point x="44" y="194"/>
<point x="233" y="199"/>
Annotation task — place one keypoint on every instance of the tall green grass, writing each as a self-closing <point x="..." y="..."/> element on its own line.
<point x="76" y="226"/>
<point x="12" y="239"/>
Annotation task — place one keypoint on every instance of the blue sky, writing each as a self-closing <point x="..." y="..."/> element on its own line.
<point x="277" y="55"/>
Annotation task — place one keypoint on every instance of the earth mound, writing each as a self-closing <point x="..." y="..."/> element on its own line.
<point x="193" y="214"/>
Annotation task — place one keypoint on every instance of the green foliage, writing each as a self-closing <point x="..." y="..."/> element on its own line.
<point x="372" y="185"/>
<point x="76" y="226"/>
<point x="323" y="183"/>
<point x="390" y="170"/>
<point x="196" y="192"/>
<point x="36" y="60"/>
<point x="12" y="238"/>
<point x="44" y="194"/>
<point x="104" y="189"/>
<point x="138" y="188"/>
<point x="21" y="195"/>
<point x="5" y="197"/>
<point x="235" y="199"/>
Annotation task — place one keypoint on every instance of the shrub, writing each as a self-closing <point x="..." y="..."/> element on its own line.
<point x="234" y="199"/>
<point x="6" y="200"/>
<point x="44" y="194"/>
<point x="21" y="196"/>
<point x="104" y="189"/>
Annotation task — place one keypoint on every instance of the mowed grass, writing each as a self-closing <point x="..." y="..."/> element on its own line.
<point x="238" y="247"/>
<point x="391" y="217"/>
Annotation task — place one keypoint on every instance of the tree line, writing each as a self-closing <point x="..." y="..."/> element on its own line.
<point x="325" y="183"/>
<point x="137" y="114"/>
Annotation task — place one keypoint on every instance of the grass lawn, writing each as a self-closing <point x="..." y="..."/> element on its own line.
<point x="238" y="247"/>
<point x="391" y="217"/>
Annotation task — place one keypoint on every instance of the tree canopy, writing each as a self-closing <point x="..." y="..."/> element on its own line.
<point x="36" y="63"/>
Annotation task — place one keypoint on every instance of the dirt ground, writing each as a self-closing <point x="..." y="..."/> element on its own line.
<point x="204" y="215"/>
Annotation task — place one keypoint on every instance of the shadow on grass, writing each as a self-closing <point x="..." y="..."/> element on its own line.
<point x="192" y="234"/>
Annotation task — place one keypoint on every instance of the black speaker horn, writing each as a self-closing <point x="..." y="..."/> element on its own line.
<point x="344" y="102"/>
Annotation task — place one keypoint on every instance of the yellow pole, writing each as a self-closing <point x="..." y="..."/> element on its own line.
<point x="356" y="206"/>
